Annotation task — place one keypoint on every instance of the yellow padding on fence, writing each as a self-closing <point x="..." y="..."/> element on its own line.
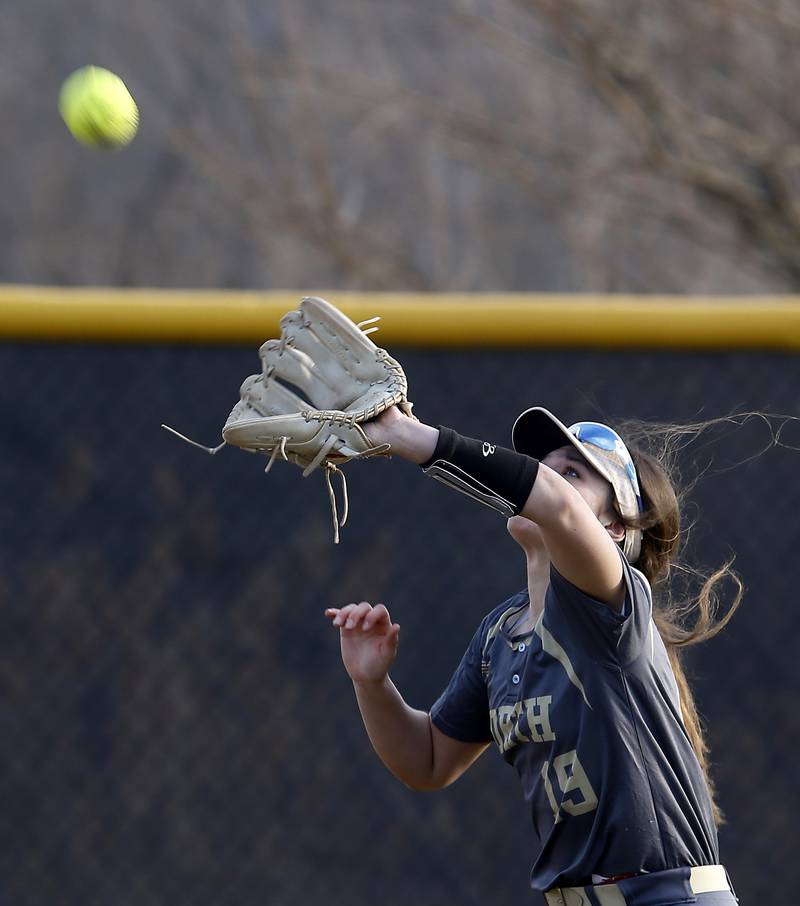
<point x="218" y="317"/>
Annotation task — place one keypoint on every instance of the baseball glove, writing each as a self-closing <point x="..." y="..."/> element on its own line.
<point x="345" y="380"/>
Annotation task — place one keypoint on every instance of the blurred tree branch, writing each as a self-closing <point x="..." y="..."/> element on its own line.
<point x="575" y="145"/>
<point x="744" y="173"/>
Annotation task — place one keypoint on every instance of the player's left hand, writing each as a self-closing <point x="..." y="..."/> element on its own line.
<point x="368" y="639"/>
<point x="383" y="429"/>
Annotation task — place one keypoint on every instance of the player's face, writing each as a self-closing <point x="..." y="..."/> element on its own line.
<point x="589" y="483"/>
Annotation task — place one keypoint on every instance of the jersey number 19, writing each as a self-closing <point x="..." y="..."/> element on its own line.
<point x="571" y="779"/>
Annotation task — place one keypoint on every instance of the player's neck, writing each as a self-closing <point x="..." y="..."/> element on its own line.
<point x="538" y="579"/>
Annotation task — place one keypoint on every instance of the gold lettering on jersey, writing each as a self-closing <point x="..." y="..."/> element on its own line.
<point x="505" y="726"/>
<point x="537" y="712"/>
<point x="573" y="782"/>
<point x="548" y="788"/>
<point x="524" y="721"/>
<point x="572" y="777"/>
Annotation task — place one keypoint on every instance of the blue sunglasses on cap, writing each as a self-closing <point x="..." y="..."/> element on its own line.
<point x="605" y="438"/>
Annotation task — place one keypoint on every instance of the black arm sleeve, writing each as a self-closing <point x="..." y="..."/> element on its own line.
<point x="495" y="476"/>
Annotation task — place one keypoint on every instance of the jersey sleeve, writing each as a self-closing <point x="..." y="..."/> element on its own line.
<point x="618" y="637"/>
<point x="462" y="710"/>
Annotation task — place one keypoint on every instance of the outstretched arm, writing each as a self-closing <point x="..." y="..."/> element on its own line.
<point x="578" y="545"/>
<point x="405" y="740"/>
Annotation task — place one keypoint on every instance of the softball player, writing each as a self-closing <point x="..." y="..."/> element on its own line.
<point x="575" y="679"/>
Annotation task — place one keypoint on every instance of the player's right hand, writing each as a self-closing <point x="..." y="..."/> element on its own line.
<point x="368" y="639"/>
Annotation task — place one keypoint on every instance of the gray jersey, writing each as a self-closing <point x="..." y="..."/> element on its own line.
<point x="586" y="708"/>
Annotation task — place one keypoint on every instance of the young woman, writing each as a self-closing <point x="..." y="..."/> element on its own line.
<point x="576" y="680"/>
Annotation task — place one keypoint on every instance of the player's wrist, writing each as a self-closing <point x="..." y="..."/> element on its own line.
<point x="413" y="440"/>
<point x="371" y="687"/>
<point x="407" y="437"/>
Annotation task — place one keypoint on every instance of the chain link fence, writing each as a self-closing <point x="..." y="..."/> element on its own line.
<point x="175" y="723"/>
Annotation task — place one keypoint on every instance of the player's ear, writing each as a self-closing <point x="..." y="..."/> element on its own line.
<point x="614" y="528"/>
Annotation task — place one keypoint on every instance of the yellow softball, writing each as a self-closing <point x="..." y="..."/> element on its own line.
<point x="97" y="108"/>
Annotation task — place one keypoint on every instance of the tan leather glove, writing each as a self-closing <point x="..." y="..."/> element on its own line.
<point x="345" y="380"/>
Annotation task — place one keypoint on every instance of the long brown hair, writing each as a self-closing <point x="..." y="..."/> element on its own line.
<point x="682" y="616"/>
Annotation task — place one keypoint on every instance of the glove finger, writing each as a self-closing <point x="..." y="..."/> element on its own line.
<point x="333" y="372"/>
<point x="270" y="397"/>
<point x="256" y="401"/>
<point x="326" y="386"/>
<point x="259" y="402"/>
<point x="334" y="330"/>
<point x="371" y="380"/>
<point x="332" y="340"/>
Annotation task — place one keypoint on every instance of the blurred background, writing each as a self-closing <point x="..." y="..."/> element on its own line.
<point x="175" y="723"/>
<point x="549" y="145"/>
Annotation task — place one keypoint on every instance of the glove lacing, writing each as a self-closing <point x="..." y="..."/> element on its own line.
<point x="279" y="448"/>
<point x="332" y="469"/>
<point x="194" y="443"/>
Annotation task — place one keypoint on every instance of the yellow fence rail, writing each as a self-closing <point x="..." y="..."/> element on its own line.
<point x="451" y="319"/>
